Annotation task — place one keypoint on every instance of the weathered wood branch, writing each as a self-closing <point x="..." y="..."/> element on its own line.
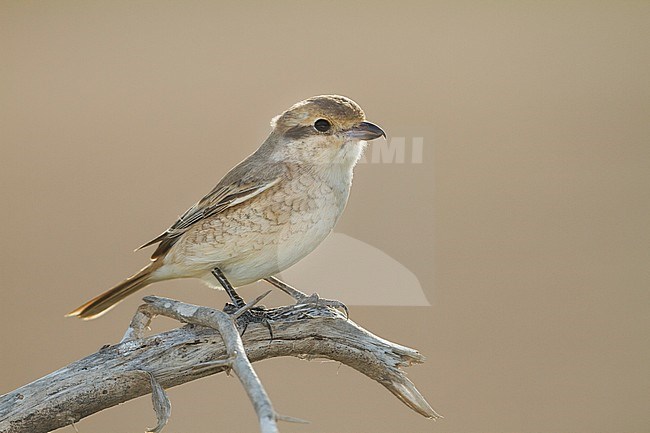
<point x="127" y="370"/>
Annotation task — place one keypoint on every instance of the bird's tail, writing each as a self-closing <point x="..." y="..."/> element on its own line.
<point x="107" y="300"/>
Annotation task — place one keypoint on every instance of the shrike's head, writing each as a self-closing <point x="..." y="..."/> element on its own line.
<point x="327" y="129"/>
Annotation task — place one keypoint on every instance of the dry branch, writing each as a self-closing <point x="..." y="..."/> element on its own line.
<point x="205" y="346"/>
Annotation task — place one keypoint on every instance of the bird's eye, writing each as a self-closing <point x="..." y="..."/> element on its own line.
<point x="322" y="125"/>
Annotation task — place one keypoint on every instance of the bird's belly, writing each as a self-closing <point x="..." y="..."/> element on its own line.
<point x="294" y="242"/>
<point x="251" y="244"/>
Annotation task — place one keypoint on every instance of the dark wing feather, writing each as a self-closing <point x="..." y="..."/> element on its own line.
<point x="243" y="182"/>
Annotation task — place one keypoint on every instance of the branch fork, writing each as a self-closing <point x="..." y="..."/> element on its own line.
<point x="210" y="343"/>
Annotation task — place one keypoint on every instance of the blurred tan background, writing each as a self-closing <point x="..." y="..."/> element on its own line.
<point x="526" y="224"/>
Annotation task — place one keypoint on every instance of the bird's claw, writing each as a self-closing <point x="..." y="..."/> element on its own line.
<point x="315" y="299"/>
<point x="257" y="314"/>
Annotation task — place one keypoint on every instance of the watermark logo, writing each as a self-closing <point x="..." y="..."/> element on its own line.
<point x="356" y="273"/>
<point x="394" y="150"/>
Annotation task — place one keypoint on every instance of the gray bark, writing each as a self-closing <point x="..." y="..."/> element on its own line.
<point x="207" y="345"/>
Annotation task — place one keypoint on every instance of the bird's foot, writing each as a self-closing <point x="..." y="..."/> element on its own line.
<point x="258" y="314"/>
<point x="315" y="299"/>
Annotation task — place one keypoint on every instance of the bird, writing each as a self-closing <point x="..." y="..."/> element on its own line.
<point x="268" y="212"/>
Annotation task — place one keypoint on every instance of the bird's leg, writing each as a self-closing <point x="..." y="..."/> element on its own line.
<point x="253" y="315"/>
<point x="289" y="290"/>
<point x="303" y="298"/>
<point x="234" y="296"/>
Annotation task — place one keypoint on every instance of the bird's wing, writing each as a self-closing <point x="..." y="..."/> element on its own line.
<point x="242" y="183"/>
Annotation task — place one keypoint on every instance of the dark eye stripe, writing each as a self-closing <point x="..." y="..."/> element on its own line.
<point x="299" y="131"/>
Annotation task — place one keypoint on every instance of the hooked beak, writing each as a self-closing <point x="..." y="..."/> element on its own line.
<point x="365" y="131"/>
